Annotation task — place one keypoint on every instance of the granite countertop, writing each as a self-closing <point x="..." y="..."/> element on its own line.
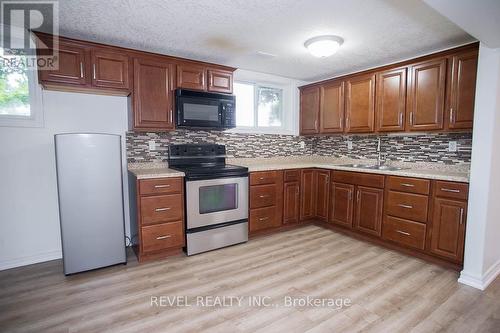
<point x="437" y="171"/>
<point x="148" y="170"/>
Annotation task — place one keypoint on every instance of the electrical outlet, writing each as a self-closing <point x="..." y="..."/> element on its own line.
<point x="152" y="145"/>
<point x="452" y="146"/>
<point x="349" y="145"/>
<point x="302" y="145"/>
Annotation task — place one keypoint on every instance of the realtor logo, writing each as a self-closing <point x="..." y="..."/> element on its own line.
<point x="19" y="18"/>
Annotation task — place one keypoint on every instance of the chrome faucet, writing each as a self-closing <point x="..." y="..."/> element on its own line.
<point x="379" y="151"/>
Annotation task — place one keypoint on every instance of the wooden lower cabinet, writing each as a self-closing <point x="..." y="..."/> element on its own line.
<point x="341" y="204"/>
<point x="448" y="228"/>
<point x="322" y="178"/>
<point x="368" y="212"/>
<point x="266" y="200"/>
<point x="157" y="214"/>
<point x="291" y="202"/>
<point x="307" y="195"/>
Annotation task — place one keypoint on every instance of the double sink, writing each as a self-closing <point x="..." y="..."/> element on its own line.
<point x="372" y="167"/>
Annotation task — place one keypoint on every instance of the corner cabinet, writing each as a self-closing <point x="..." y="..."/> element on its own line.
<point x="152" y="97"/>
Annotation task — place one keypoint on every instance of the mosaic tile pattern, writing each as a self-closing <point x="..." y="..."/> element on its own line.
<point x="405" y="148"/>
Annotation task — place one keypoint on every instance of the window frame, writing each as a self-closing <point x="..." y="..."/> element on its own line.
<point x="35" y="97"/>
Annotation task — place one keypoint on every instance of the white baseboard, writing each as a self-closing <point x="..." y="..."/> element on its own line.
<point x="29" y="260"/>
<point x="481" y="282"/>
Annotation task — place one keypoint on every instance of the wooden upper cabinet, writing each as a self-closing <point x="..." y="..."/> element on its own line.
<point x="462" y="90"/>
<point x="322" y="193"/>
<point x="152" y="94"/>
<point x="426" y="95"/>
<point x="309" y="106"/>
<point x="391" y="100"/>
<point x="341" y="204"/>
<point x="368" y="212"/>
<point x="307" y="195"/>
<point x="332" y="107"/>
<point x="220" y="81"/>
<point x="360" y="104"/>
<point x="110" y="69"/>
<point x="73" y="66"/>
<point x="448" y="228"/>
<point x="191" y="76"/>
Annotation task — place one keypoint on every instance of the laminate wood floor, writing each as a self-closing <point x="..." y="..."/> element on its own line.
<point x="389" y="292"/>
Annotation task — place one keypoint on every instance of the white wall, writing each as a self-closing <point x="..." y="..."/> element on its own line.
<point x="29" y="216"/>
<point x="482" y="246"/>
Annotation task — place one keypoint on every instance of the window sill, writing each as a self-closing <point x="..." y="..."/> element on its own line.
<point x="262" y="130"/>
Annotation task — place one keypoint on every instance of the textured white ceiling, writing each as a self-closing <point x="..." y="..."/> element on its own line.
<point x="233" y="32"/>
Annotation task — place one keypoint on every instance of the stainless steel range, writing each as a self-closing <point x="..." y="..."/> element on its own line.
<point x="216" y="196"/>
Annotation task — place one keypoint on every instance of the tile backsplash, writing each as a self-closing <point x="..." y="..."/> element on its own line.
<point x="403" y="147"/>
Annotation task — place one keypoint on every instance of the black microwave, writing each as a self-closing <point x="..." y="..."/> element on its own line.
<point x="197" y="109"/>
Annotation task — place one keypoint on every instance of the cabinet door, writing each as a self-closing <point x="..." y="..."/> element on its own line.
<point x="426" y="95"/>
<point x="341" y="204"/>
<point x="220" y="81"/>
<point x="332" y="107"/>
<point x="462" y="90"/>
<point x="307" y="195"/>
<point x="448" y="228"/>
<point x="360" y="104"/>
<point x="110" y="69"/>
<point x="369" y="203"/>
<point x="322" y="194"/>
<point x="291" y="202"/>
<point x="190" y="76"/>
<point x="152" y="94"/>
<point x="391" y="100"/>
<point x="73" y="62"/>
<point x="309" y="110"/>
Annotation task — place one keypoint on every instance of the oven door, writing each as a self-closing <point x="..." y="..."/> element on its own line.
<point x="199" y="112"/>
<point x="214" y="201"/>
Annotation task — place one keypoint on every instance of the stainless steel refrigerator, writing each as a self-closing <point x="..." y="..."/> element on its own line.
<point x="89" y="182"/>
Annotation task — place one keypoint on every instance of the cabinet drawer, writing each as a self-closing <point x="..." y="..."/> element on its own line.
<point x="452" y="190"/>
<point x="358" y="178"/>
<point x="411" y="185"/>
<point x="264" y="177"/>
<point x="160" y="185"/>
<point x="262" y="196"/>
<point x="162" y="236"/>
<point x="404" y="232"/>
<point x="161" y="208"/>
<point x="292" y="175"/>
<point x="407" y="205"/>
<point x="263" y="218"/>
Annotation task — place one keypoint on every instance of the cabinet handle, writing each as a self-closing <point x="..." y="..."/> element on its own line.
<point x="316" y="124"/>
<point x="347" y="122"/>
<point x="81" y="69"/>
<point x="407" y="185"/>
<point x="262" y="178"/>
<point x="297" y="191"/>
<point x="171" y="117"/>
<point x="264" y="196"/>
<point x="163" y="237"/>
<point x="161" y="186"/>
<point x="93" y="70"/>
<point x="350" y="195"/>
<point x="264" y="218"/>
<point x="341" y="120"/>
<point x="405" y="206"/>
<point x="401" y="119"/>
<point x="403" y="233"/>
<point x="163" y="209"/>
<point x="411" y="118"/>
<point x="358" y="196"/>
<point x="461" y="215"/>
<point x="451" y="116"/>
<point x="450" y="190"/>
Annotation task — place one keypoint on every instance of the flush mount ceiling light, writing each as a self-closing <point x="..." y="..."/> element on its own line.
<point x="323" y="46"/>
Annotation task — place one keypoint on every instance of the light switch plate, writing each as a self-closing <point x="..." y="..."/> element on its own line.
<point x="452" y="146"/>
<point x="302" y="144"/>
<point x="349" y="145"/>
<point x="152" y="145"/>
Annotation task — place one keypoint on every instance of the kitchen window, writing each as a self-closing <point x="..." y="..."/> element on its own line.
<point x="258" y="106"/>
<point x="20" y="95"/>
